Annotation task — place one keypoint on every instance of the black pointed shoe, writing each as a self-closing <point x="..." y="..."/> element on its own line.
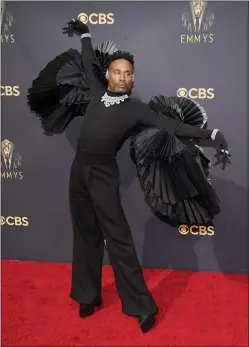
<point x="146" y="322"/>
<point x="86" y="310"/>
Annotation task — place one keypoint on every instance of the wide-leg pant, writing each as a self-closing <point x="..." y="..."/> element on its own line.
<point x="97" y="215"/>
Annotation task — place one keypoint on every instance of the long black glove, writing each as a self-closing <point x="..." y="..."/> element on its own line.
<point x="221" y="141"/>
<point x="222" y="157"/>
<point x="222" y="154"/>
<point x="87" y="54"/>
<point x="75" y="26"/>
<point x="189" y="131"/>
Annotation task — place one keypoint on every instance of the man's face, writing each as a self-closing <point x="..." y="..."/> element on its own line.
<point x="120" y="76"/>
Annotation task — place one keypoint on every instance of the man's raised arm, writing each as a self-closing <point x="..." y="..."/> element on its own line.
<point x="77" y="27"/>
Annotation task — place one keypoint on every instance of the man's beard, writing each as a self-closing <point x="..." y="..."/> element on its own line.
<point x="122" y="89"/>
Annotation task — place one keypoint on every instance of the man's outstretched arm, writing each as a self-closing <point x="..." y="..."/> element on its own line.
<point x="145" y="115"/>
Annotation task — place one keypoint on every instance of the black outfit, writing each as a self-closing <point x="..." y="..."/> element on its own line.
<point x="97" y="214"/>
<point x="68" y="87"/>
<point x="104" y="127"/>
<point x="96" y="208"/>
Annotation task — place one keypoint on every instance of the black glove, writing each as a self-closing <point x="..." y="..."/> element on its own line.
<point x="222" y="155"/>
<point x="75" y="26"/>
<point x="221" y="141"/>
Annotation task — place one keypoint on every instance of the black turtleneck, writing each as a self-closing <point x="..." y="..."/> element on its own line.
<point x="104" y="127"/>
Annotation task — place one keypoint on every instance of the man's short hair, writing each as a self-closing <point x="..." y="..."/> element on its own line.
<point x="122" y="55"/>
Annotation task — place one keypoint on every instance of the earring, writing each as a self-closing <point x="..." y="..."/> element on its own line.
<point x="107" y="74"/>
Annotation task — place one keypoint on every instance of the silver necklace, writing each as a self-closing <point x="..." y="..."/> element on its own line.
<point x="111" y="100"/>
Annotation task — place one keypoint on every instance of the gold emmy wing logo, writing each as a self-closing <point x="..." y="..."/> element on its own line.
<point x="197" y="19"/>
<point x="7" y="18"/>
<point x="10" y="161"/>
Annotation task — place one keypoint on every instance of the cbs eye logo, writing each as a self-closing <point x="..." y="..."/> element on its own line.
<point x="96" y="18"/>
<point x="15" y="221"/>
<point x="10" y="91"/>
<point x="196" y="230"/>
<point x="196" y="93"/>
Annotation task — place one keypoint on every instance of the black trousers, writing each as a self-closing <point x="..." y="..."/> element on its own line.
<point x="97" y="215"/>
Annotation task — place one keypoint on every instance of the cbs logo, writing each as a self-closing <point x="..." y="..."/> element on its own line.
<point x="196" y="93"/>
<point x="196" y="230"/>
<point x="96" y="18"/>
<point x="10" y="91"/>
<point x="15" y="221"/>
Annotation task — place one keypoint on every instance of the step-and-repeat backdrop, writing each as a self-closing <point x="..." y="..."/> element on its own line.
<point x="198" y="49"/>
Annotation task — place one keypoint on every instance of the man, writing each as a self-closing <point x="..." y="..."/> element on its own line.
<point x="97" y="214"/>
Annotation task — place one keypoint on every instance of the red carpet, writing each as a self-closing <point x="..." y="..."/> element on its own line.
<point x="196" y="309"/>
